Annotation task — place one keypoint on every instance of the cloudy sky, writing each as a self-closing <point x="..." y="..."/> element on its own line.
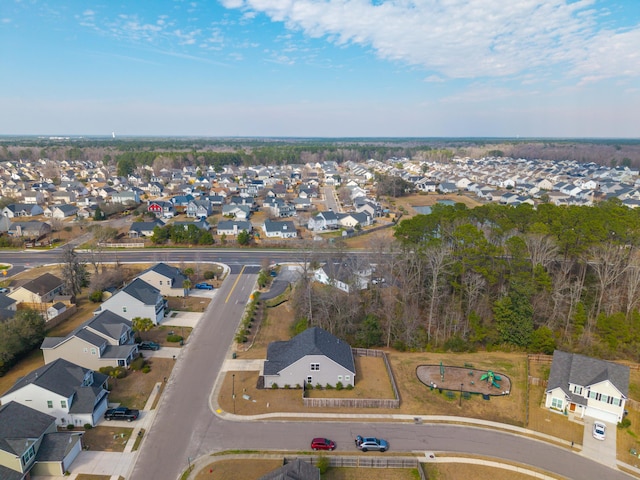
<point x="321" y="68"/>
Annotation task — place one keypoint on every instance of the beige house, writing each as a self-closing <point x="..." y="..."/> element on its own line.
<point x="39" y="290"/>
<point x="105" y="340"/>
<point x="169" y="280"/>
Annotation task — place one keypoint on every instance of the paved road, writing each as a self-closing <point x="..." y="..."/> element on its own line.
<point x="186" y="427"/>
<point x="331" y="199"/>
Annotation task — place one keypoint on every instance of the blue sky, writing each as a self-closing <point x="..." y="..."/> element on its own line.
<point x="321" y="68"/>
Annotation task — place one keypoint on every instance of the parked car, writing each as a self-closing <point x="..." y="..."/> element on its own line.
<point x="322" y="444"/>
<point x="148" y="346"/>
<point x="273" y="273"/>
<point x="4" y="290"/>
<point x="371" y="443"/>
<point x="121" y="413"/>
<point x="204" y="286"/>
<point x="599" y="430"/>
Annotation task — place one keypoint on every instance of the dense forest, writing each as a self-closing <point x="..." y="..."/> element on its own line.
<point x="176" y="152"/>
<point x="496" y="277"/>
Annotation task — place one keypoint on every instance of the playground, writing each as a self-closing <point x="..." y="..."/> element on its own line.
<point x="466" y="379"/>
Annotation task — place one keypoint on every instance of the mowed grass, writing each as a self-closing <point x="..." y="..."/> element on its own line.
<point x="134" y="390"/>
<point x="106" y="438"/>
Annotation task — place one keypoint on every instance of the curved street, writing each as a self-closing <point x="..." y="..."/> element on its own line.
<point x="185" y="427"/>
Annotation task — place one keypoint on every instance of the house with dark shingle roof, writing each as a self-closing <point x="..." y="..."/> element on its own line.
<point x="137" y="299"/>
<point x="105" y="340"/>
<point x="295" y="470"/>
<point x="39" y="290"/>
<point x="31" y="445"/>
<point x="587" y="386"/>
<point x="314" y="356"/>
<point x="169" y="280"/>
<point x="144" y="229"/>
<point x="70" y="393"/>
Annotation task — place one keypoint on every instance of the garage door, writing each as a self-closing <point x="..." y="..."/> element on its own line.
<point x="598" y="414"/>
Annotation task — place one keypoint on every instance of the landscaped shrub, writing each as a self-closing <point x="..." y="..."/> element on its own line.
<point x="318" y="386"/>
<point x="625" y="423"/>
<point x="146" y="368"/>
<point x="274" y="386"/>
<point x="329" y="386"/>
<point x="119" y="372"/>
<point x="70" y="426"/>
<point x="138" y="363"/>
<point x="96" y="296"/>
<point x="287" y="386"/>
<point x="172" y="338"/>
<point x="209" y="274"/>
<point x="349" y="387"/>
<point x="298" y="386"/>
<point x="308" y="386"/>
<point x="339" y="386"/>
<point x="88" y="426"/>
<point x="106" y="370"/>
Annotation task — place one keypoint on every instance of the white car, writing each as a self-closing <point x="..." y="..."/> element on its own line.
<point x="599" y="430"/>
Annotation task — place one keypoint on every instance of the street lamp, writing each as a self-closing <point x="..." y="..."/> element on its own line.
<point x="233" y="391"/>
<point x="189" y="460"/>
<point x="461" y="385"/>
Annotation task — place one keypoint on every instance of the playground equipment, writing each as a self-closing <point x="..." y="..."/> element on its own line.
<point x="491" y="378"/>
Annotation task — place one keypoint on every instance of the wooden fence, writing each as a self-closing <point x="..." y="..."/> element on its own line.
<point x="362" y="461"/>
<point x="539" y="357"/>
<point x="360" y="402"/>
<point x="122" y="245"/>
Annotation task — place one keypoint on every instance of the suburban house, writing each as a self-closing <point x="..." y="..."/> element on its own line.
<point x="105" y="340"/>
<point x="314" y="356"/>
<point x="199" y="208"/>
<point x="8" y="307"/>
<point x="70" y="393"/>
<point x="126" y="197"/>
<point x="279" y="229"/>
<point x="39" y="290"/>
<point x="161" y="208"/>
<point x="586" y="386"/>
<point x="137" y="299"/>
<point x="169" y="280"/>
<point x="144" y="229"/>
<point x="233" y="227"/>
<point x="343" y="274"/>
<point x="323" y="221"/>
<point x="30" y="444"/>
<point x="30" y="229"/>
<point x="298" y="469"/>
<point x="14" y="210"/>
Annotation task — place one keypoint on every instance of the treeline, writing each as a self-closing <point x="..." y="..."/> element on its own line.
<point x="19" y="336"/>
<point x="498" y="276"/>
<point x="182" y="235"/>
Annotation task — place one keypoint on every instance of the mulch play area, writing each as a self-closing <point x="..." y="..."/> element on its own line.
<point x="467" y="379"/>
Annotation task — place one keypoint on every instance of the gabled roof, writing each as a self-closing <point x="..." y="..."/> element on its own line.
<point x="313" y="341"/>
<point x="20" y="425"/>
<point x="60" y="377"/>
<point x="270" y="226"/>
<point x="44" y="284"/>
<point x="174" y="273"/>
<point x="296" y="470"/>
<point x="141" y="290"/>
<point x="585" y="371"/>
<point x="107" y="323"/>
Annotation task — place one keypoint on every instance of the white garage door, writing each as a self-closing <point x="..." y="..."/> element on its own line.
<point x="598" y="414"/>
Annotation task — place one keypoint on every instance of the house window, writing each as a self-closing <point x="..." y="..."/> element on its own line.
<point x="315" y="367"/>
<point x="124" y="309"/>
<point x="49" y="403"/>
<point x="86" y="350"/>
<point x="309" y="379"/>
<point x="121" y="363"/>
<point x="93" y="351"/>
<point x="160" y="282"/>
<point x="347" y="378"/>
<point x="63" y="403"/>
<point x="556" y="403"/>
<point x="577" y="389"/>
<point x="28" y="455"/>
<point x="339" y="378"/>
<point x="604" y="398"/>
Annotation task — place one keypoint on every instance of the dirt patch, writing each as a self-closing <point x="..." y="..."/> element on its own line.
<point x="247" y="469"/>
<point x="134" y="390"/>
<point x="159" y="335"/>
<point x="189" y="304"/>
<point x="464" y="379"/>
<point x="455" y="471"/>
<point x="106" y="438"/>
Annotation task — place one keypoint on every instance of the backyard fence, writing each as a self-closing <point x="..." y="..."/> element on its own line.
<point x="360" y="402"/>
<point x="362" y="461"/>
<point x="121" y="245"/>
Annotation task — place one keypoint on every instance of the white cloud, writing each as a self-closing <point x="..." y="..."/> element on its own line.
<point x="466" y="38"/>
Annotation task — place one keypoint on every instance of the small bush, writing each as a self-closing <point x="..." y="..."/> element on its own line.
<point x="96" y="296"/>
<point x="339" y="386"/>
<point x="318" y="386"/>
<point x="209" y="274"/>
<point x="88" y="426"/>
<point x="106" y="370"/>
<point x="287" y="386"/>
<point x="274" y="386"/>
<point x="70" y="426"/>
<point x="625" y="423"/>
<point x="329" y="386"/>
<point x="146" y="369"/>
<point x="298" y="387"/>
<point x="119" y="372"/>
<point x="172" y="338"/>
<point x="308" y="386"/>
<point x="138" y="363"/>
<point x="349" y="387"/>
<point x="323" y="464"/>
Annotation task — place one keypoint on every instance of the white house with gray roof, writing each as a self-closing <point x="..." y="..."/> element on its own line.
<point x="105" y="340"/>
<point x="587" y="386"/>
<point x="314" y="356"/>
<point x="137" y="299"/>
<point x="279" y="229"/>
<point x="70" y="393"/>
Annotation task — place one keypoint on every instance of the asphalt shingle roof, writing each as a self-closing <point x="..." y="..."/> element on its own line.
<point x="20" y="424"/>
<point x="141" y="290"/>
<point x="584" y="371"/>
<point x="44" y="284"/>
<point x="313" y="341"/>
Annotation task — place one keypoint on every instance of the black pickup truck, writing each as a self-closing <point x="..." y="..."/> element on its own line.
<point x="121" y="413"/>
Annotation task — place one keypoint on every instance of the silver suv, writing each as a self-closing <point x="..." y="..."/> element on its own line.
<point x="371" y="443"/>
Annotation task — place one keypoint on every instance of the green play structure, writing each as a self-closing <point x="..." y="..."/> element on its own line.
<point x="491" y="378"/>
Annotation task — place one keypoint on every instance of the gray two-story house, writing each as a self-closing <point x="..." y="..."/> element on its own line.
<point x="137" y="299"/>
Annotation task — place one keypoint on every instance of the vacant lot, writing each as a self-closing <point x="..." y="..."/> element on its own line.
<point x="106" y="438"/>
<point x="134" y="390"/>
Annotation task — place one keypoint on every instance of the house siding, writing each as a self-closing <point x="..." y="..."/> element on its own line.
<point x="128" y="307"/>
<point x="297" y="373"/>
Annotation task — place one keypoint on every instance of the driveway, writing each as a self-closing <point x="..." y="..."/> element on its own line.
<point x="288" y="274"/>
<point x="603" y="451"/>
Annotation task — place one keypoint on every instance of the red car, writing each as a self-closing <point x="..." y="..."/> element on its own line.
<point x="322" y="444"/>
